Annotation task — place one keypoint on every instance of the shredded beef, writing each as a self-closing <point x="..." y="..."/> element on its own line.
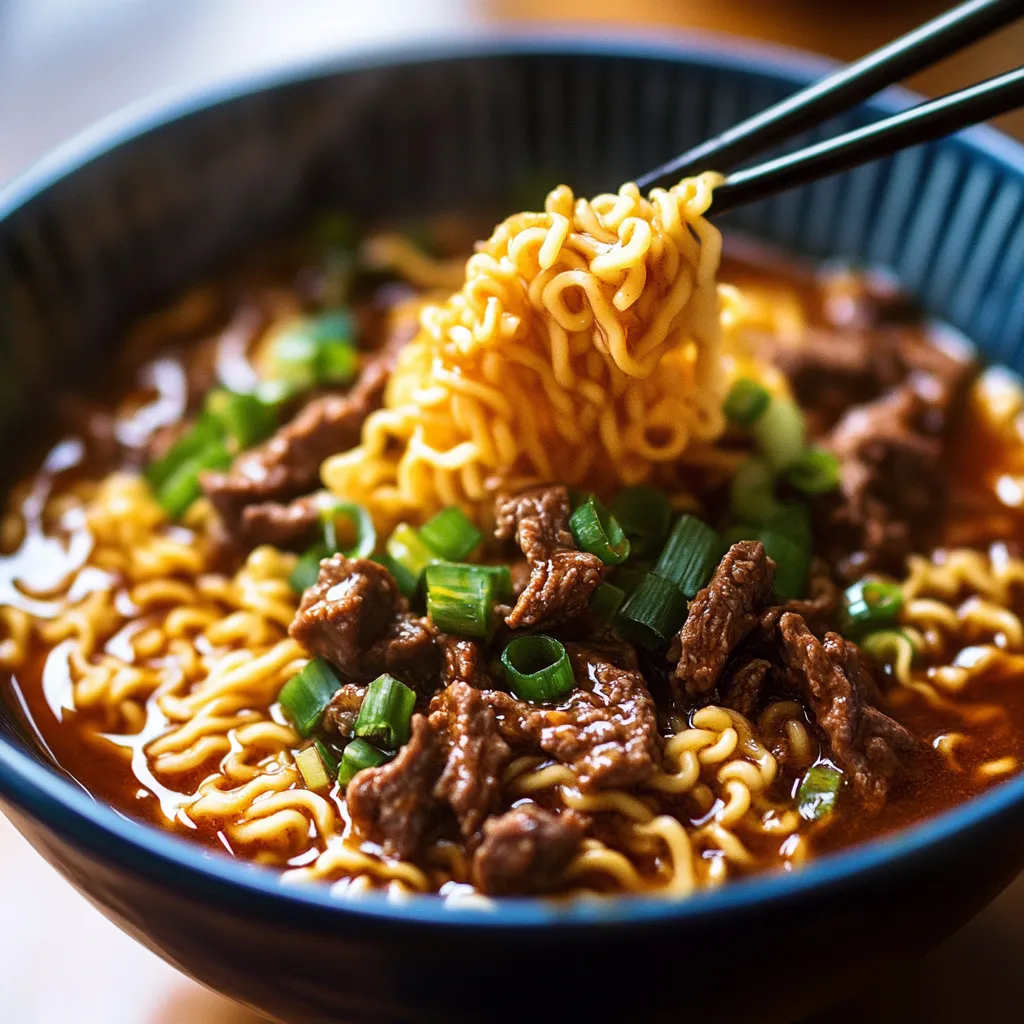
<point x="606" y="728"/>
<point x="355" y="618"/>
<point x="744" y="685"/>
<point x="833" y="680"/>
<point x="526" y="850"/>
<point x="892" y="485"/>
<point x="720" y="617"/>
<point x="290" y="526"/>
<point x="341" y="713"/>
<point x="288" y="464"/>
<point x="562" y="578"/>
<point x="393" y="804"/>
<point x="476" y="754"/>
<point x="462" y="662"/>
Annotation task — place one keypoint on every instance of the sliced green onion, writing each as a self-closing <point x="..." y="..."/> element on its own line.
<point x="598" y="532"/>
<point x="606" y="601"/>
<point x="629" y="577"/>
<point x="815" y="471"/>
<point x="819" y="792"/>
<point x="869" y="604"/>
<point x="316" y="350"/>
<point x="312" y="769"/>
<point x="740" y="531"/>
<point x="652" y="613"/>
<point x="690" y="556"/>
<point x="337" y="362"/>
<point x="307" y="568"/>
<point x="746" y="402"/>
<point x="752" y="492"/>
<point x="182" y="487"/>
<point x="203" y="433"/>
<point x="451" y="534"/>
<point x="460" y="598"/>
<point x="779" y="433"/>
<point x="896" y="647"/>
<point x="792" y="562"/>
<point x="407" y="583"/>
<point x="794" y="520"/>
<point x="359" y="754"/>
<point x="537" y="668"/>
<point x="356" y="516"/>
<point x="385" y="713"/>
<point x="328" y="756"/>
<point x="244" y="418"/>
<point x="305" y="696"/>
<point x="502" y="581"/>
<point x="645" y="515"/>
<point x="412" y="556"/>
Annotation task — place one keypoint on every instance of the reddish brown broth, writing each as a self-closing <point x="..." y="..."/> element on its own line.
<point x="929" y="787"/>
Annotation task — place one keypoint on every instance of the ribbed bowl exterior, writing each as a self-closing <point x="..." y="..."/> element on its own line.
<point x="154" y="201"/>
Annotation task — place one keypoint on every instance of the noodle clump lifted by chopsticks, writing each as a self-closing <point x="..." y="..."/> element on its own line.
<point x="586" y="343"/>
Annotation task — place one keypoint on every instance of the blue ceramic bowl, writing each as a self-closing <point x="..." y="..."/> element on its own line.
<point x="153" y="200"/>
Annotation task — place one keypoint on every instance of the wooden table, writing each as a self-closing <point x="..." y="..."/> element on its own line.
<point x="60" y="960"/>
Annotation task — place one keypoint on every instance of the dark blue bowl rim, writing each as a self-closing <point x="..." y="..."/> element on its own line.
<point x="257" y="892"/>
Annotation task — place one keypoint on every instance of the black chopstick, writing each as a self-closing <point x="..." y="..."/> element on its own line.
<point x="843" y="89"/>
<point x="923" y="123"/>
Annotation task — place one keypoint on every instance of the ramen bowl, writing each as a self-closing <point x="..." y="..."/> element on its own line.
<point x="156" y="198"/>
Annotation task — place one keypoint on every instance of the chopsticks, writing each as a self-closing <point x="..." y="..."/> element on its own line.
<point x="844" y="88"/>
<point x="922" y="123"/>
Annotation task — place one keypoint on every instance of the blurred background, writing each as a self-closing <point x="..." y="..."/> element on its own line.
<point x="65" y="64"/>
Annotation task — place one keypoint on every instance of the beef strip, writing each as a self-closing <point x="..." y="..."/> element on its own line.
<point x="526" y="850"/>
<point x="288" y="464"/>
<point x="355" y="618"/>
<point x="744" y="685"/>
<point x="606" y="728"/>
<point x="463" y="662"/>
<point x="835" y="683"/>
<point x="292" y="526"/>
<point x="394" y="804"/>
<point x="720" y="617"/>
<point x="341" y="713"/>
<point x="562" y="578"/>
<point x="476" y="754"/>
<point x="892" y="484"/>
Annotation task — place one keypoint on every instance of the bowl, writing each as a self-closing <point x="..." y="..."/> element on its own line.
<point x="160" y="195"/>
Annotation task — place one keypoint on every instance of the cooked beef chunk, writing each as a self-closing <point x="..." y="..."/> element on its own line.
<point x="476" y="754"/>
<point x="393" y="804"/>
<point x="821" y="607"/>
<point x="292" y="526"/>
<point x="355" y="617"/>
<point x="893" y="486"/>
<point x="833" y="680"/>
<point x="526" y="850"/>
<point x="606" y="728"/>
<point x="562" y="578"/>
<point x="463" y="660"/>
<point x="744" y="685"/>
<point x="340" y="715"/>
<point x="288" y="464"/>
<point x="720" y="618"/>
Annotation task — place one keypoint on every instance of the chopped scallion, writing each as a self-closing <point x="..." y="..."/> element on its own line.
<point x="752" y="492"/>
<point x="652" y="613"/>
<point x="606" y="601"/>
<point x="779" y="433"/>
<point x="598" y="532"/>
<point x="502" y="581"/>
<point x="243" y="418"/>
<point x="312" y="769"/>
<point x="451" y="534"/>
<point x="359" y="754"/>
<point x="896" y="647"/>
<point x="202" y="434"/>
<point x="328" y="756"/>
<point x="792" y="562"/>
<point x="690" y="556"/>
<point x="869" y="604"/>
<point x="537" y="668"/>
<point x="819" y="792"/>
<point x="746" y="402"/>
<point x="460" y="598"/>
<point x="307" y="568"/>
<point x="182" y="486"/>
<point x="305" y="696"/>
<point x="412" y="556"/>
<point x="364" y="534"/>
<point x="815" y="471"/>
<point x="385" y="713"/>
<point x="645" y="515"/>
